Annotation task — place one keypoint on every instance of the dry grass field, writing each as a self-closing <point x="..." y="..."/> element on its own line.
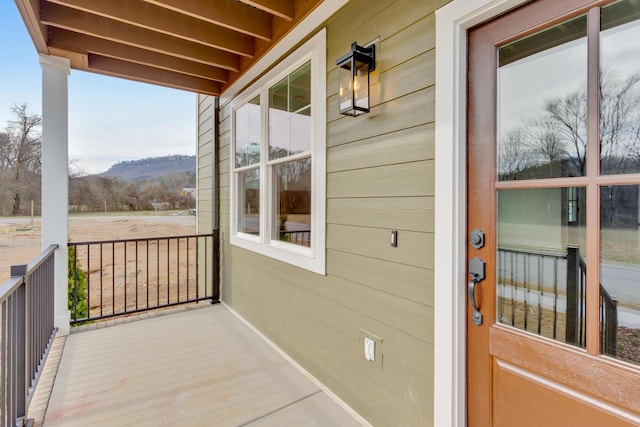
<point x="20" y="240"/>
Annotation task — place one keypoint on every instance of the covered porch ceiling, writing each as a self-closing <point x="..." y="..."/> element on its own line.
<point x="196" y="45"/>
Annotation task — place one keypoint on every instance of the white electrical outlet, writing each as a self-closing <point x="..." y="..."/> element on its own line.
<point x="369" y="349"/>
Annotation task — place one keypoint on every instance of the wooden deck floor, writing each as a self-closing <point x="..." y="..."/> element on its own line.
<point x="202" y="367"/>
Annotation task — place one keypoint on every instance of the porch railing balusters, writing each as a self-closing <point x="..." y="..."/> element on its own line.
<point x="177" y="259"/>
<point x="575" y="291"/>
<point x="27" y="331"/>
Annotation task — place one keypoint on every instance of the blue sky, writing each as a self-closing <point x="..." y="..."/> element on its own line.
<point x="110" y="119"/>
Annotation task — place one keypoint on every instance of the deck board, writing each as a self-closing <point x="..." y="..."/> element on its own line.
<point x="199" y="367"/>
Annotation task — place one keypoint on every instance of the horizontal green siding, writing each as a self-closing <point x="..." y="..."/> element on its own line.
<point x="205" y="165"/>
<point x="380" y="177"/>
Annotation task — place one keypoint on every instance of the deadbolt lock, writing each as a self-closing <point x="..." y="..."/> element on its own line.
<point x="476" y="238"/>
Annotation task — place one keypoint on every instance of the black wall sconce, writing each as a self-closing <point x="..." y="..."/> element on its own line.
<point x="353" y="78"/>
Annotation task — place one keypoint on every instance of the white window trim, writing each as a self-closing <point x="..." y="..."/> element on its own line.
<point x="313" y="258"/>
<point x="452" y="22"/>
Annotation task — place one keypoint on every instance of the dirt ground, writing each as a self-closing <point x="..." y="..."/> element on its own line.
<point x="20" y="239"/>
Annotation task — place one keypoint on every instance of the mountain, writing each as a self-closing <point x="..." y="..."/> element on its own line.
<point x="152" y="168"/>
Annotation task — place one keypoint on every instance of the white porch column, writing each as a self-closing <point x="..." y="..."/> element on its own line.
<point x="55" y="185"/>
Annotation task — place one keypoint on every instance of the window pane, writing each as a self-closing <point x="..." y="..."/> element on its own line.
<point x="620" y="92"/>
<point x="247" y="133"/>
<point x="290" y="114"/>
<point x="619" y="272"/>
<point x="540" y="269"/>
<point x="542" y="104"/>
<point x="293" y="198"/>
<point x="249" y="201"/>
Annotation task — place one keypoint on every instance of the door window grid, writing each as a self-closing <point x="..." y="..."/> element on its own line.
<point x="598" y="178"/>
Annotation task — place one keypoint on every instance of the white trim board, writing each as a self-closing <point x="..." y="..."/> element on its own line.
<point x="452" y="22"/>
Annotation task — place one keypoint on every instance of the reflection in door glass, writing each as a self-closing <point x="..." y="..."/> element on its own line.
<point x="620" y="93"/>
<point x="540" y="269"/>
<point x="542" y="106"/>
<point x="619" y="272"/>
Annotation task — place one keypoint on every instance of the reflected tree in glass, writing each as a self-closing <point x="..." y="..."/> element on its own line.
<point x="620" y="88"/>
<point x="542" y="106"/>
<point x="293" y="195"/>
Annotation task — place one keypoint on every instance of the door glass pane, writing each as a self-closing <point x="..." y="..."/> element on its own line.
<point x="249" y="201"/>
<point x="540" y="269"/>
<point x="293" y="194"/>
<point x="620" y="93"/>
<point x="620" y="272"/>
<point x="542" y="104"/>
<point x="290" y="114"/>
<point x="247" y="133"/>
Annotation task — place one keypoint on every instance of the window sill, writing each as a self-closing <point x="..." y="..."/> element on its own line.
<point x="301" y="257"/>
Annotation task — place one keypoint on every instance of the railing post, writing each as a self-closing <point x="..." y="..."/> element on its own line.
<point x="21" y="319"/>
<point x="573" y="295"/>
<point x="215" y="268"/>
<point x="613" y="327"/>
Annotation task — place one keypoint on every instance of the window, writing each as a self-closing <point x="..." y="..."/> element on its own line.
<point x="278" y="163"/>
<point x="568" y="183"/>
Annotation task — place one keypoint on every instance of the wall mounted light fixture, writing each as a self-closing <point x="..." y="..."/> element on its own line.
<point x="353" y="78"/>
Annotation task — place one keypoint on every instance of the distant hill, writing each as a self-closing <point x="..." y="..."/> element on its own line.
<point x="152" y="168"/>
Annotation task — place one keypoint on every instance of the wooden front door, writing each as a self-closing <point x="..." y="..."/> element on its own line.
<point x="553" y="183"/>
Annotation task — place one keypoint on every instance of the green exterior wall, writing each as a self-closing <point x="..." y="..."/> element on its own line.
<point x="380" y="177"/>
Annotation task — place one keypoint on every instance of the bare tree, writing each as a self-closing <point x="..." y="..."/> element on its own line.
<point x="20" y="149"/>
<point x="554" y="143"/>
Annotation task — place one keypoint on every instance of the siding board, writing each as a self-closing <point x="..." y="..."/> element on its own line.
<point x="407" y="111"/>
<point x="399" y="213"/>
<point x="205" y="170"/>
<point x="376" y="19"/>
<point x="404" y="180"/>
<point x="204" y="178"/>
<point x="397" y="80"/>
<point x="206" y="147"/>
<point x="406" y="145"/>
<point x="406" y="281"/>
<point x="421" y="36"/>
<point x="413" y="248"/>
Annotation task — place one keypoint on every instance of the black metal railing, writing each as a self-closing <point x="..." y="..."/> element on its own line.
<point x="576" y="307"/>
<point x="117" y="277"/>
<point x="530" y="293"/>
<point x="608" y="323"/>
<point x="27" y="328"/>
<point x="533" y="288"/>
<point x="299" y="237"/>
<point x="575" y="331"/>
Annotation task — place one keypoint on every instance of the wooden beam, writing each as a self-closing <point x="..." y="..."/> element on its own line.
<point x="141" y="73"/>
<point x="280" y="8"/>
<point x="78" y="60"/>
<point x="30" y="12"/>
<point x="162" y="20"/>
<point x="84" y="23"/>
<point x="226" y="13"/>
<point x="64" y="39"/>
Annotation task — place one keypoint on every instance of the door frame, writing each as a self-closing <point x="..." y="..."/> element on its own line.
<point x="452" y="22"/>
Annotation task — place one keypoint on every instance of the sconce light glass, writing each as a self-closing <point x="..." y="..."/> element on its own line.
<point x="353" y="78"/>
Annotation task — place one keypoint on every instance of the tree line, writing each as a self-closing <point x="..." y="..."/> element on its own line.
<point x="21" y="173"/>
